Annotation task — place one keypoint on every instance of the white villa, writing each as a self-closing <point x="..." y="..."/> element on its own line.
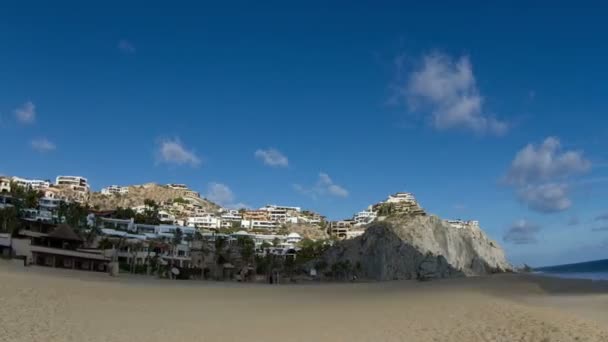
<point x="115" y="189"/>
<point x="76" y="183"/>
<point x="35" y="184"/>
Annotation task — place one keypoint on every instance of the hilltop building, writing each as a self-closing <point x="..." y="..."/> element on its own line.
<point x="115" y="189"/>
<point x="35" y="184"/>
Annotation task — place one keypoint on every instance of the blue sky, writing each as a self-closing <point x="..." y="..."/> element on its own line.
<point x="484" y="112"/>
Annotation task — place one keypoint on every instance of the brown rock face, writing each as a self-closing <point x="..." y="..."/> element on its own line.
<point x="421" y="247"/>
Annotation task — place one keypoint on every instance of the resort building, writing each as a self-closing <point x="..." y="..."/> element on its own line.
<point x="364" y="217"/>
<point x="231" y="216"/>
<point x="76" y="183"/>
<point x="399" y="203"/>
<point x="258" y="224"/>
<point x="35" y="184"/>
<point x="256" y="215"/>
<point x="56" y="246"/>
<point x="115" y="189"/>
<point x="340" y="229"/>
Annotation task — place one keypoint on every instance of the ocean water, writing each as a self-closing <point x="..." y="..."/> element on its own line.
<point x="595" y="270"/>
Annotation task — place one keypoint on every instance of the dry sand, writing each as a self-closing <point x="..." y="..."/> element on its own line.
<point x="39" y="304"/>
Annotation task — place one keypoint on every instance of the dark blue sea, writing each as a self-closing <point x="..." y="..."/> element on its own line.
<point x="596" y="270"/>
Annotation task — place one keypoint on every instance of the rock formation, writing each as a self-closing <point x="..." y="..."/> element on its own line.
<point x="419" y="247"/>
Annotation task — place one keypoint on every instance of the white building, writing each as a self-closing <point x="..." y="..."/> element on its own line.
<point x="165" y="217"/>
<point x="232" y="216"/>
<point x="76" y="183"/>
<point x="206" y="221"/>
<point x="35" y="184"/>
<point x="115" y="189"/>
<point x="401" y="197"/>
<point x="5" y="184"/>
<point x="259" y="224"/>
<point x="364" y="217"/>
<point x="178" y="186"/>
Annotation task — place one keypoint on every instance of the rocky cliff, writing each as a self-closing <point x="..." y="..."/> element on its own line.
<point x="419" y="247"/>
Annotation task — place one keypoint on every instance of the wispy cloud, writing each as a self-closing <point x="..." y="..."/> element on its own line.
<point x="43" y="145"/>
<point x="574" y="221"/>
<point x="272" y="157"/>
<point x="600" y="229"/>
<point x="172" y="151"/>
<point x="221" y="194"/>
<point x="522" y="232"/>
<point x="602" y="217"/>
<point x="538" y="163"/>
<point x="324" y="186"/>
<point x="26" y="114"/>
<point x="540" y="174"/>
<point x="445" y="89"/>
<point x="126" y="46"/>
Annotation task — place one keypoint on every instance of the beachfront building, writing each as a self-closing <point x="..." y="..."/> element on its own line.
<point x="5" y="184"/>
<point x="115" y="190"/>
<point x="34" y="184"/>
<point x="57" y="246"/>
<point x="6" y="201"/>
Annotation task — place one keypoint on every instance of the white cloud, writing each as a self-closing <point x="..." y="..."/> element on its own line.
<point x="324" y="186"/>
<point x="540" y="174"/>
<point x="126" y="46"/>
<point x="173" y="152"/>
<point x="43" y="145"/>
<point x="545" y="198"/>
<point x="446" y="89"/>
<point x="545" y="162"/>
<point x="522" y="232"/>
<point x="221" y="194"/>
<point x="272" y="157"/>
<point x="26" y="114"/>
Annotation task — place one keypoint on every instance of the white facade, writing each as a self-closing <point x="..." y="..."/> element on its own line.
<point x="232" y="216"/>
<point x="115" y="189"/>
<point x="165" y="217"/>
<point x="258" y="224"/>
<point x="77" y="183"/>
<point x="206" y="221"/>
<point x="401" y="197"/>
<point x="364" y="217"/>
<point x="178" y="186"/>
<point x="5" y="184"/>
<point x="35" y="184"/>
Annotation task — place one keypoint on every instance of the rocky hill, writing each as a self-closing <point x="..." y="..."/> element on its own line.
<point x="138" y="193"/>
<point x="419" y="247"/>
<point x="308" y="231"/>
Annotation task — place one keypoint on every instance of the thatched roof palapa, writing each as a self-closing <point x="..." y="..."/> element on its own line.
<point x="65" y="232"/>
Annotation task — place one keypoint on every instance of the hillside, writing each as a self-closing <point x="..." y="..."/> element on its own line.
<point x="138" y="193"/>
<point x="419" y="247"/>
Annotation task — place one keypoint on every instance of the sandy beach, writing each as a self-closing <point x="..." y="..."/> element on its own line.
<point x="40" y="304"/>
